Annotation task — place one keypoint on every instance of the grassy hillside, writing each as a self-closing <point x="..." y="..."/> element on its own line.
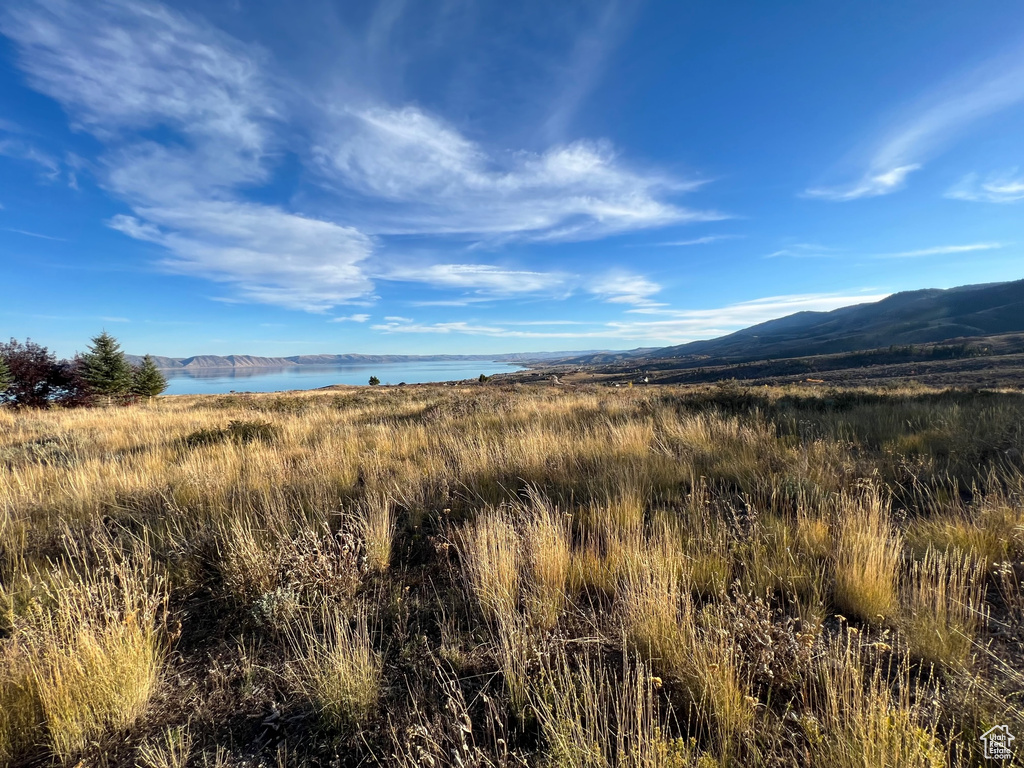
<point x="499" y="576"/>
<point x="911" y="317"/>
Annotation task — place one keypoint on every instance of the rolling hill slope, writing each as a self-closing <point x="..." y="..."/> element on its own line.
<point x="912" y="317"/>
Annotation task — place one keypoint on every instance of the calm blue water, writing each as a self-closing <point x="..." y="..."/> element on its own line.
<point x="218" y="381"/>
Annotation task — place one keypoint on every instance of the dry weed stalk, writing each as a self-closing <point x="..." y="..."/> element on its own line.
<point x="547" y="538"/>
<point x="591" y="718"/>
<point x="173" y="750"/>
<point x="336" y="666"/>
<point x="491" y="549"/>
<point x="86" y="656"/>
<point x="867" y="558"/>
<point x="944" y="607"/>
<point x="858" y="721"/>
<point x="377" y="528"/>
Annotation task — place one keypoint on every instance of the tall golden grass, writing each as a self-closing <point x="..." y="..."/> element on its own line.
<point x="85" y="656"/>
<point x="214" y="580"/>
<point x="860" y="719"/>
<point x="592" y="717"/>
<point x="944" y="607"/>
<point x="336" y="666"/>
<point x="867" y="558"/>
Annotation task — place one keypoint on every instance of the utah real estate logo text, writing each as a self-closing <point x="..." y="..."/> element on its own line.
<point x="997" y="742"/>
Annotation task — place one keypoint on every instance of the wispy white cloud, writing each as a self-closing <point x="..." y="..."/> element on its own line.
<point x="20" y="149"/>
<point x="1005" y="187"/>
<point x="463" y="301"/>
<point x="872" y="185"/>
<point x="577" y="78"/>
<point x="677" y="327"/>
<point x="425" y="177"/>
<point x="128" y="71"/>
<point x="75" y="318"/>
<point x="746" y="313"/>
<point x="357" y="318"/>
<point x="619" y="287"/>
<point x="134" y="64"/>
<point x="816" y="251"/>
<point x="120" y="67"/>
<point x="546" y="322"/>
<point x="490" y="280"/>
<point x="680" y="326"/>
<point x="695" y="241"/>
<point x="401" y="325"/>
<point x="17" y="146"/>
<point x="486" y="283"/>
<point x="268" y="255"/>
<point x="940" y="250"/>
<point x="803" y="251"/>
<point x="33" y="234"/>
<point x="930" y="124"/>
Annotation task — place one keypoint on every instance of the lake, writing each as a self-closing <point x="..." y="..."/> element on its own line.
<point x="215" y="381"/>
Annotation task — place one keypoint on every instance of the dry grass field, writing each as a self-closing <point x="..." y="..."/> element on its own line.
<point x="496" y="575"/>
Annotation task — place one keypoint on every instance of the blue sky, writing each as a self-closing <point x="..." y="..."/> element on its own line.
<point x="466" y="176"/>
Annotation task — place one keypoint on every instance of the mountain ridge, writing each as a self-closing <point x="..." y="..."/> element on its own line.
<point x="910" y="317"/>
<point x="197" y="362"/>
<point x="925" y="316"/>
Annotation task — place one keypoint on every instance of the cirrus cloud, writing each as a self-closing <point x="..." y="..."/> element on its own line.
<point x="193" y="127"/>
<point x="1005" y="187"/>
<point x="930" y="124"/>
<point x="678" y="326"/>
<point x="427" y="178"/>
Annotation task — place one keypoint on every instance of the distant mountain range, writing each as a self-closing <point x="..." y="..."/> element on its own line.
<point x="911" y="317"/>
<point x="253" y="361"/>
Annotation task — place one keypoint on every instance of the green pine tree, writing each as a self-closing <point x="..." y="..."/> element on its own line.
<point x="147" y="381"/>
<point x="5" y="375"/>
<point x="105" y="368"/>
<point x="374" y="381"/>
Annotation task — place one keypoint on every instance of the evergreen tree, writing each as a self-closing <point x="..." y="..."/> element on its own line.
<point x="5" y="375"/>
<point x="147" y="381"/>
<point x="105" y="368"/>
<point x="374" y="381"/>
